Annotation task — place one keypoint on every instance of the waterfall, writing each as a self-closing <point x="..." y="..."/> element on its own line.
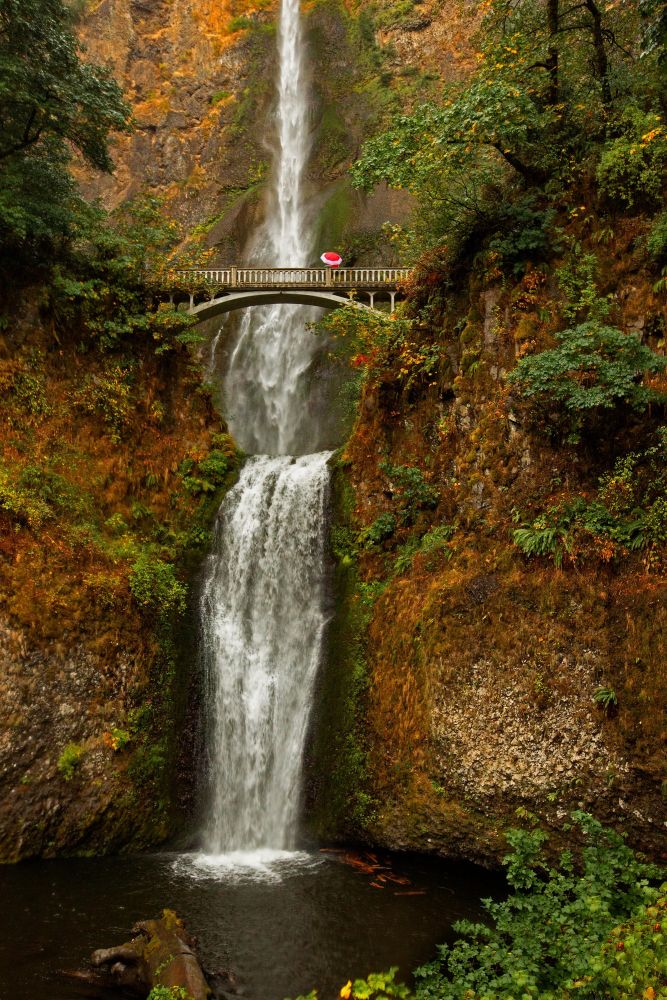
<point x="266" y="387"/>
<point x="262" y="605"/>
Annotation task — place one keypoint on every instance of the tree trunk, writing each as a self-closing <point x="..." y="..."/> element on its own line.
<point x="600" y="61"/>
<point x="552" y="60"/>
<point x="161" y="954"/>
<point x="532" y="175"/>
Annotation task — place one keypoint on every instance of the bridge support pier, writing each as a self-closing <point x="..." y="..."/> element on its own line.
<point x="393" y="301"/>
<point x="371" y="296"/>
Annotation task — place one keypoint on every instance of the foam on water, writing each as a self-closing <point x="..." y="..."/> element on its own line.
<point x="264" y="865"/>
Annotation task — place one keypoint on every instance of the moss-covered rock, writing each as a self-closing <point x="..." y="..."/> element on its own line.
<point x="103" y="526"/>
<point x="492" y="681"/>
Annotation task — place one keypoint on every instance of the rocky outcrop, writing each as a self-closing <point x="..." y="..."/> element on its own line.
<point x="92" y="685"/>
<point x="468" y="682"/>
<point x="68" y="694"/>
<point x="199" y="77"/>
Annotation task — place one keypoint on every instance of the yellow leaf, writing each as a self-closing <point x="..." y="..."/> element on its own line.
<point x="346" y="991"/>
<point x="649" y="993"/>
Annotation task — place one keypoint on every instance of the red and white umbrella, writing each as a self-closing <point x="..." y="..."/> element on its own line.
<point x="331" y="259"/>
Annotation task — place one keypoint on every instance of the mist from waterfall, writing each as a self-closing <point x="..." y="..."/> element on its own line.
<point x="262" y="605"/>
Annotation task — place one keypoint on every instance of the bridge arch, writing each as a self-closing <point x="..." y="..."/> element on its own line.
<point x="229" y="302"/>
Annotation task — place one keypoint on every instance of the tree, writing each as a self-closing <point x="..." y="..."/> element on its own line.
<point x="50" y="102"/>
<point x="552" y="80"/>
<point x="654" y="15"/>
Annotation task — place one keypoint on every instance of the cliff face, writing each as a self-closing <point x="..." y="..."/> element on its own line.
<point x="196" y="74"/>
<point x="473" y="681"/>
<point x="112" y="461"/>
<point x="102" y="494"/>
<point x="463" y="677"/>
<point x="200" y="79"/>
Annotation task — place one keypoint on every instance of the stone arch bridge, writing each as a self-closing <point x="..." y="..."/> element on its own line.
<point x="210" y="293"/>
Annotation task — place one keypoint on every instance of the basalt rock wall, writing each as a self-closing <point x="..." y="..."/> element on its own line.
<point x="475" y="686"/>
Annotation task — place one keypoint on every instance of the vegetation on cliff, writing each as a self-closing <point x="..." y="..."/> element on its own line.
<point x="112" y="464"/>
<point x="51" y="102"/>
<point x="505" y="480"/>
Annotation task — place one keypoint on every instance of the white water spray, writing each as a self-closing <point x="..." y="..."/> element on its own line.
<point x="263" y="600"/>
<point x="263" y="604"/>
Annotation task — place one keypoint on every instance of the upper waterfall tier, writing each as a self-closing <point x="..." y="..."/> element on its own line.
<point x="267" y="386"/>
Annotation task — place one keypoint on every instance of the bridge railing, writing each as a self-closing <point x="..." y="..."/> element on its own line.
<point x="296" y="277"/>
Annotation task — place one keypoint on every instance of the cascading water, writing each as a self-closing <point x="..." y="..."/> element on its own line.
<point x="263" y="604"/>
<point x="263" y="600"/>
<point x="266" y="386"/>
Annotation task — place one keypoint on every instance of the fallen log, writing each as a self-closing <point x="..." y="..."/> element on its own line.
<point x="161" y="953"/>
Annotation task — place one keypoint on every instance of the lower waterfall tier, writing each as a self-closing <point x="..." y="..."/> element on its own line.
<point x="263" y="622"/>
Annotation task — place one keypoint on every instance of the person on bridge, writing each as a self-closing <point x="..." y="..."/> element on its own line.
<point x="331" y="259"/>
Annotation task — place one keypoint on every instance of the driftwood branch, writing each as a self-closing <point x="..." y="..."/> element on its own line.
<point x="161" y="953"/>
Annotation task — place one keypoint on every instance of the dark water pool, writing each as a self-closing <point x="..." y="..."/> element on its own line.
<point x="281" y="928"/>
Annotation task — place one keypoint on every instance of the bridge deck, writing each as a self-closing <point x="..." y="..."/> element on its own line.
<point x="297" y="278"/>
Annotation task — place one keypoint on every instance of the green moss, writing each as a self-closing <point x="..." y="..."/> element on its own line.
<point x="335" y="216"/>
<point x="332" y="143"/>
<point x="260" y="76"/>
<point x="343" y="804"/>
<point x="69" y="760"/>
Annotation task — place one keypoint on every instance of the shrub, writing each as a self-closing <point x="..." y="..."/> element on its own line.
<point x="109" y="396"/>
<point x="155" y="587"/>
<point x="169" y="993"/>
<point x="656" y="241"/>
<point x="551" y="935"/>
<point x="591" y="927"/>
<point x="117" y="739"/>
<point x="632" y="166"/>
<point x="69" y="760"/>
<point x="382" y="528"/>
<point x="240" y="23"/>
<point x="633" y="962"/>
<point x="434" y="541"/>
<point x="548" y="535"/>
<point x="525" y="234"/>
<point x="411" y="490"/>
<point x="577" y="278"/>
<point x="628" y="514"/>
<point x="20" y="503"/>
<point x="58" y="492"/>
<point x="582" y="527"/>
<point x="212" y="472"/>
<point x="148" y="763"/>
<point x="607" y="698"/>
<point x="594" y="368"/>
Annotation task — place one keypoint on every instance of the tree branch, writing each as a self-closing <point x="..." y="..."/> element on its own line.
<point x="27" y="140"/>
<point x="531" y="174"/>
<point x="611" y="37"/>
